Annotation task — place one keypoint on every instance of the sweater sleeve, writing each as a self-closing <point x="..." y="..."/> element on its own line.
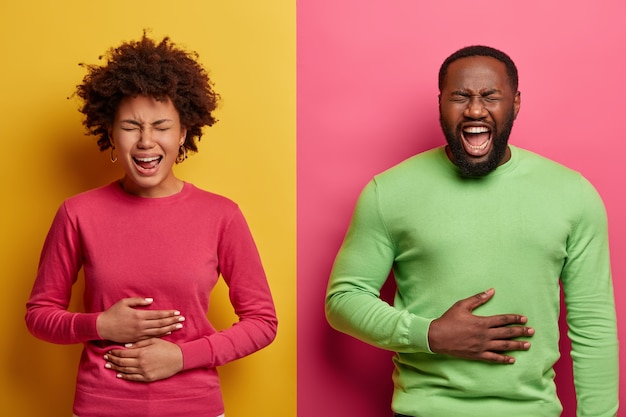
<point x="240" y="266"/>
<point x="363" y="264"/>
<point x="588" y="292"/>
<point x="47" y="315"/>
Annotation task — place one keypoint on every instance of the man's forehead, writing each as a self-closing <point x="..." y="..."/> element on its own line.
<point x="476" y="72"/>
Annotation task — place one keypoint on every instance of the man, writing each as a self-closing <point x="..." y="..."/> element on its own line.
<point x="478" y="234"/>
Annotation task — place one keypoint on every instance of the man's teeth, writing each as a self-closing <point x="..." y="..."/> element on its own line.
<point x="479" y="147"/>
<point x="476" y="129"/>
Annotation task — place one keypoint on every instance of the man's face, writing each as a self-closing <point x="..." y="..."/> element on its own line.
<point x="477" y="107"/>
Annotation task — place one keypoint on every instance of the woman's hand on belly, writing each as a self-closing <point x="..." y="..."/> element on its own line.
<point x="127" y="322"/>
<point x="145" y="361"/>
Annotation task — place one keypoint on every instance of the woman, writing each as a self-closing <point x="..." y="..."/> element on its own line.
<point x="152" y="247"/>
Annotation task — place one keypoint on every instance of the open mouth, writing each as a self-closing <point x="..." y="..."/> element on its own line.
<point x="476" y="140"/>
<point x="149" y="163"/>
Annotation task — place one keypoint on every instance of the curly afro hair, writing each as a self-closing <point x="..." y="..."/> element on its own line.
<point x="160" y="70"/>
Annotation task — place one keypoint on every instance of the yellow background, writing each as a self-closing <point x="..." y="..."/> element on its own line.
<point x="249" y="156"/>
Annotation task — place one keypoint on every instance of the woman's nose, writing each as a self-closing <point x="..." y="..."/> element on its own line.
<point x="146" y="140"/>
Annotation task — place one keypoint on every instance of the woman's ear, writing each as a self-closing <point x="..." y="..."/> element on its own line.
<point x="183" y="136"/>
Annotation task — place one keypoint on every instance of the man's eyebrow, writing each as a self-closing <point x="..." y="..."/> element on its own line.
<point x="482" y="93"/>
<point x="489" y="92"/>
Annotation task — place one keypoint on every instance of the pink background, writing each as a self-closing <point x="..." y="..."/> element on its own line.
<point x="367" y="99"/>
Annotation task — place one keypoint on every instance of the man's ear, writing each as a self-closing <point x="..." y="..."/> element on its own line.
<point x="517" y="101"/>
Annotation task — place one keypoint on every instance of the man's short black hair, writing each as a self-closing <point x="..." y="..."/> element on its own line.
<point x="481" y="50"/>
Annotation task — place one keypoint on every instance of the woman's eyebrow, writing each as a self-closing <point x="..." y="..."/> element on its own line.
<point x="131" y="121"/>
<point x="160" y="121"/>
<point x="138" y="123"/>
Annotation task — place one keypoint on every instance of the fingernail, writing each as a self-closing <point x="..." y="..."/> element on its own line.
<point x="179" y="326"/>
<point x="128" y="345"/>
<point x="106" y="357"/>
<point x="107" y="365"/>
<point x="526" y="345"/>
<point x="177" y="313"/>
<point x="149" y="300"/>
<point x="181" y="318"/>
<point x="119" y="376"/>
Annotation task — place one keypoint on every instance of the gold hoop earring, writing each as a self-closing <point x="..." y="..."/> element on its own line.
<point x="182" y="154"/>
<point x="113" y="157"/>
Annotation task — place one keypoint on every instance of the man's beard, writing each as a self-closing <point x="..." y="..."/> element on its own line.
<point x="464" y="162"/>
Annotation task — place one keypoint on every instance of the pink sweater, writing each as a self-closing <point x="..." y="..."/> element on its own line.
<point x="172" y="249"/>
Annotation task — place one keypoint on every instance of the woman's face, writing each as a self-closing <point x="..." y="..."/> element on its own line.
<point x="147" y="135"/>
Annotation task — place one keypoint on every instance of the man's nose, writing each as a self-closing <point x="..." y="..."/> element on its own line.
<point x="476" y="108"/>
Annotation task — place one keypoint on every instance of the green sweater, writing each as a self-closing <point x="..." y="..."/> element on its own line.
<point x="446" y="238"/>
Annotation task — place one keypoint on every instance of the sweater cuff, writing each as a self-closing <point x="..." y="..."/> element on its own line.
<point x="418" y="333"/>
<point x="196" y="354"/>
<point x="85" y="327"/>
